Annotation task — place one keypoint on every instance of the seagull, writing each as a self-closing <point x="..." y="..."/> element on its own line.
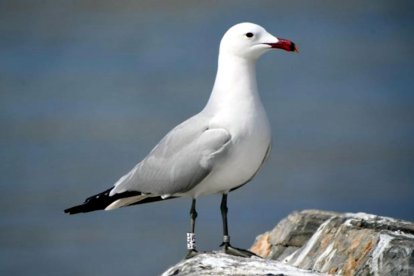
<point x="215" y="151"/>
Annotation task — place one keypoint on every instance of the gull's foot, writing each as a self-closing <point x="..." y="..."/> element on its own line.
<point x="191" y="253"/>
<point x="228" y="249"/>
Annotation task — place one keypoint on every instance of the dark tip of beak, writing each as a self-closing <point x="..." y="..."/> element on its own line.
<point x="284" y="44"/>
<point x="293" y="48"/>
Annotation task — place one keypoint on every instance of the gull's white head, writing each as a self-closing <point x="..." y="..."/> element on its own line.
<point x="250" y="41"/>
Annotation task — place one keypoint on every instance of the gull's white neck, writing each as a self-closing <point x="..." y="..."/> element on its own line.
<point x="235" y="84"/>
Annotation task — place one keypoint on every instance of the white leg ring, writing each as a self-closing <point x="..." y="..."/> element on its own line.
<point x="191" y="241"/>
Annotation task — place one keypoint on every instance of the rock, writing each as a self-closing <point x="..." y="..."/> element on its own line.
<point x="290" y="234"/>
<point x="313" y="242"/>
<point x="344" y="244"/>
<point x="218" y="263"/>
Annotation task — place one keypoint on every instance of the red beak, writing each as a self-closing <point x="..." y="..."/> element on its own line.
<point x="284" y="44"/>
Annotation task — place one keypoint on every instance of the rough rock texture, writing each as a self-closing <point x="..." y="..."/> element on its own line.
<point x="312" y="242"/>
<point x="344" y="244"/>
<point x="218" y="263"/>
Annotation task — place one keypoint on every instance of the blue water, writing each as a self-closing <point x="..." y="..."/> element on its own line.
<point x="88" y="87"/>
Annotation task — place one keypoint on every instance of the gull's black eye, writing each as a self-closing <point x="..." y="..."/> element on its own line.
<point x="249" y="35"/>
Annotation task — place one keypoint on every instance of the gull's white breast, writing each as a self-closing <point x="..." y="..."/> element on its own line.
<point x="251" y="138"/>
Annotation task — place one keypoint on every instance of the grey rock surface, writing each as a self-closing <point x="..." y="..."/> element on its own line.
<point x="218" y="263"/>
<point x="313" y="242"/>
<point x="344" y="244"/>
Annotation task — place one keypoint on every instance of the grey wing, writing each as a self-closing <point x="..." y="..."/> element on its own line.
<point x="183" y="158"/>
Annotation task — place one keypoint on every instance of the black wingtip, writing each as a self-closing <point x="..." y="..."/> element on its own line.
<point x="93" y="203"/>
<point x="102" y="200"/>
<point x="74" y="210"/>
<point x="99" y="202"/>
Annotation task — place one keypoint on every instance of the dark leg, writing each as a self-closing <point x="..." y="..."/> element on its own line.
<point x="224" y="210"/>
<point x="193" y="214"/>
<point x="226" y="238"/>
<point x="191" y="243"/>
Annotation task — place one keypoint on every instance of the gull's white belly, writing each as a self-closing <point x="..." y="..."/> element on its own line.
<point x="246" y="154"/>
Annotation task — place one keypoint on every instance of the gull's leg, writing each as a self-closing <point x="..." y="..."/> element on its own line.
<point x="224" y="210"/>
<point x="226" y="238"/>
<point x="191" y="242"/>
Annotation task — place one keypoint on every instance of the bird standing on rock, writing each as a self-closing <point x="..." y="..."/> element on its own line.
<point x="214" y="152"/>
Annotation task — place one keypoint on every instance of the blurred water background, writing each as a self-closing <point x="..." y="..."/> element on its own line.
<point x="87" y="88"/>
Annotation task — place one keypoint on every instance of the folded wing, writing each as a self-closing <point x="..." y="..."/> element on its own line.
<point x="183" y="158"/>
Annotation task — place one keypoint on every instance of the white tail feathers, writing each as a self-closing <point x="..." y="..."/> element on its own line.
<point x="124" y="202"/>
